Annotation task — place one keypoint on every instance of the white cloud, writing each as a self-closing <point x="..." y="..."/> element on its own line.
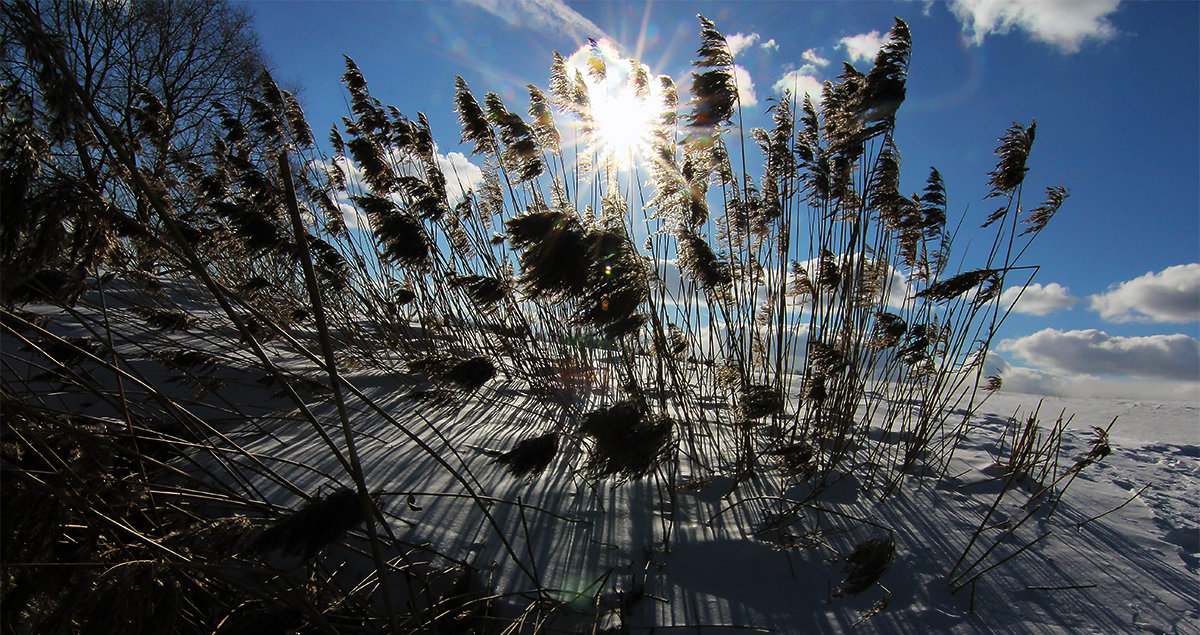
<point x="1172" y="295"/>
<point x="1038" y="300"/>
<point x="745" y="86"/>
<point x="811" y="57"/>
<point x="1093" y="352"/>
<point x="1062" y="23"/>
<point x="800" y="82"/>
<point x="461" y="175"/>
<point x="552" y="16"/>
<point x="352" y="217"/>
<point x="1032" y="381"/>
<point x="739" y="42"/>
<point x="862" y="47"/>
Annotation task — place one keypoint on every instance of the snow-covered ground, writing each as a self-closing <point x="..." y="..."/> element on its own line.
<point x="760" y="554"/>
<point x="755" y="554"/>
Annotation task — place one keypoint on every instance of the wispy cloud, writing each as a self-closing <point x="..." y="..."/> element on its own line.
<point x="1038" y="300"/>
<point x="862" y="47"/>
<point x="1065" y="24"/>
<point x="1093" y="352"/>
<point x="552" y="16"/>
<point x="1171" y="295"/>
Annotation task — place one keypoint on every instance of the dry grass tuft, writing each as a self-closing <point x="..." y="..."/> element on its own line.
<point x="307" y="530"/>
<point x="759" y="400"/>
<point x="470" y="374"/>
<point x="869" y="561"/>
<point x="628" y="442"/>
<point x="529" y="457"/>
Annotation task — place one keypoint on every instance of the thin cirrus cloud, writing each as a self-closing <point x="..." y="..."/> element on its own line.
<point x="1092" y="352"/>
<point x="1037" y="299"/>
<point x="552" y="16"/>
<point x="1171" y="295"/>
<point x="1065" y="24"/>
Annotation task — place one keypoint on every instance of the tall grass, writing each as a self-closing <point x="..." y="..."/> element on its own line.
<point x="806" y="295"/>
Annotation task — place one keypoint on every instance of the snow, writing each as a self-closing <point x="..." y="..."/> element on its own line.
<point x="765" y="553"/>
<point x="602" y="544"/>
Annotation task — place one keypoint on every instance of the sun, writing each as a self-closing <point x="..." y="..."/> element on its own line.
<point x="624" y="113"/>
<point x="624" y="122"/>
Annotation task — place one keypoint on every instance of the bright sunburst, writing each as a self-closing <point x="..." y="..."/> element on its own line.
<point x="624" y="116"/>
<point x="623" y="122"/>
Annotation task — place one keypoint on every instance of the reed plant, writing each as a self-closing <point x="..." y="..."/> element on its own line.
<point x="807" y="296"/>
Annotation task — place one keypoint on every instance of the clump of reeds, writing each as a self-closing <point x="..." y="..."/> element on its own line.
<point x="796" y="459"/>
<point x="219" y="537"/>
<point x="759" y="400"/>
<point x="469" y="374"/>
<point x="628" y="441"/>
<point x="866" y="565"/>
<point x="554" y="257"/>
<point x="440" y="264"/>
<point x="307" y="530"/>
<point x="485" y="290"/>
<point x="451" y="373"/>
<point x="529" y="457"/>
<point x="1098" y="450"/>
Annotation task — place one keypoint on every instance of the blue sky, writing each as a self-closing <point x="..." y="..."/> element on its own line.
<point x="1114" y="86"/>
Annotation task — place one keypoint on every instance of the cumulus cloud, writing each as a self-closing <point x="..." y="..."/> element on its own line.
<point x="544" y="15"/>
<point x="1065" y="24"/>
<point x="1038" y="300"/>
<point x="461" y="174"/>
<point x="745" y="86"/>
<point x="352" y="217"/>
<point x="1171" y="295"/>
<point x="800" y="83"/>
<point x="1033" y="381"/>
<point x="739" y="42"/>
<point x="862" y="47"/>
<point x="1093" y="352"/>
<point x="811" y="57"/>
